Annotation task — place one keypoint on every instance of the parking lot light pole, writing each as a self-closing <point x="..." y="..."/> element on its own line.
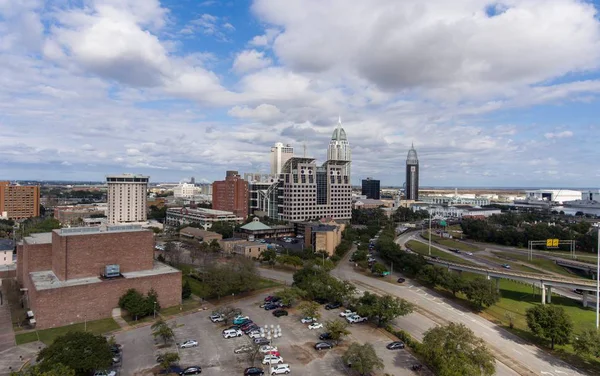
<point x="271" y="333"/>
<point x="154" y="309"/>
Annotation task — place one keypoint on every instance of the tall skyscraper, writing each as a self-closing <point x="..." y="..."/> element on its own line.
<point x="412" y="175"/>
<point x="371" y="189"/>
<point x="231" y="194"/>
<point x="339" y="148"/>
<point x="127" y="198"/>
<point x="279" y="155"/>
<point x="19" y="201"/>
<point x="308" y="191"/>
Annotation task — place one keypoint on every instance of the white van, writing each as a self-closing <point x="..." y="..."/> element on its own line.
<point x="280" y="369"/>
<point x="231" y="333"/>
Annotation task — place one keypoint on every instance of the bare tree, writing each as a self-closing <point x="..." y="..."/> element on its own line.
<point x="195" y="254"/>
<point x="174" y="253"/>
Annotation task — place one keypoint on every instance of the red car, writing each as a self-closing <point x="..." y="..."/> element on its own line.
<point x="269" y="298"/>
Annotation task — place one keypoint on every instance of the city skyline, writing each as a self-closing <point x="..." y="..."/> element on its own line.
<point x="171" y="89"/>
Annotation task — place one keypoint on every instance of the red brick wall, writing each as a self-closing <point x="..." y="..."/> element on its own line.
<point x="20" y="264"/>
<point x="8" y="274"/>
<point x="78" y="256"/>
<point x="33" y="258"/>
<point x="231" y="195"/>
<point x="58" y="307"/>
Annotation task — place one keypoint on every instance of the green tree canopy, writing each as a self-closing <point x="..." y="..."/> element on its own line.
<point x="550" y="322"/>
<point x="362" y="358"/>
<point x="587" y="343"/>
<point x="337" y="329"/>
<point x="186" y="290"/>
<point x="482" y="292"/>
<point x="454" y="350"/>
<point x="53" y="370"/>
<point x="383" y="308"/>
<point x="161" y="329"/>
<point x="310" y="309"/>
<point x="82" y="352"/>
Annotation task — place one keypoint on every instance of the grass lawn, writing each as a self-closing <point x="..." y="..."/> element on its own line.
<point x="514" y="265"/>
<point x="543" y="263"/>
<point x="423" y="249"/>
<point x="188" y="305"/>
<point x="49" y="335"/>
<point x="452" y="243"/>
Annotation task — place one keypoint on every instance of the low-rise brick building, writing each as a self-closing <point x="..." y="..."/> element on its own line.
<point x="74" y="274"/>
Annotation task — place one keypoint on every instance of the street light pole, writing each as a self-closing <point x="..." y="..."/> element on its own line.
<point x="154" y="309"/>
<point x="429" y="232"/>
<point x="271" y="333"/>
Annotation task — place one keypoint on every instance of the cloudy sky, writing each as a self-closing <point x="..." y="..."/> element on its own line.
<point x="491" y="93"/>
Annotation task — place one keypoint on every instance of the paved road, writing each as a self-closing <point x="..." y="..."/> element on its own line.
<point x="516" y="355"/>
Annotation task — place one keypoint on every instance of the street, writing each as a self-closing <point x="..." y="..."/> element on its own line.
<point x="516" y="355"/>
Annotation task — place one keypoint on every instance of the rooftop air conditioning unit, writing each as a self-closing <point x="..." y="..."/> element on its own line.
<point x="112" y="271"/>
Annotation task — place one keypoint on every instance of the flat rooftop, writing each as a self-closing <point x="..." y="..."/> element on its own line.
<point x="39" y="238"/>
<point x="70" y="231"/>
<point x="46" y="280"/>
<point x="202" y="211"/>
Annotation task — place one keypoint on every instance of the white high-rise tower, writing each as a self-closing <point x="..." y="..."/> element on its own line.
<point x="127" y="197"/>
<point x="339" y="147"/>
<point x="279" y="155"/>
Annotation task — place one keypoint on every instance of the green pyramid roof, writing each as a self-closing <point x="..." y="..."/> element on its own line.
<point x="255" y="226"/>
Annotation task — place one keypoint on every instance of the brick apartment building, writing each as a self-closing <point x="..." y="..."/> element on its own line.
<point x="231" y="195"/>
<point x="19" y="201"/>
<point x="64" y="279"/>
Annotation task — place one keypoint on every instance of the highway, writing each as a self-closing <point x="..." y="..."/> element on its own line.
<point x="515" y="356"/>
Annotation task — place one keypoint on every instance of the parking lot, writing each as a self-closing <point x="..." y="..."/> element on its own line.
<point x="216" y="357"/>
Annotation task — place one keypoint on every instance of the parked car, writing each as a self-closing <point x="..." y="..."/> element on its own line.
<point x="347" y="313"/>
<point x="323" y="346"/>
<point x="315" y="325"/>
<point x="231" y="333"/>
<point x="105" y="373"/>
<point x="280" y="369"/>
<point x="261" y="341"/>
<point x="307" y="320"/>
<point x="267" y="349"/>
<point x="217" y="318"/>
<point x="325" y="336"/>
<point x="172" y="369"/>
<point x="395" y="345"/>
<point x="320" y="300"/>
<point x="333" y="305"/>
<point x="271" y="306"/>
<point x="355" y="319"/>
<point x="188" y="343"/>
<point x="272" y="359"/>
<point x="243" y="349"/>
<point x="194" y="370"/>
<point x="254" y="334"/>
<point x="401" y="280"/>
<point x="469" y="253"/>
<point x="506" y="266"/>
<point x="240" y="320"/>
<point x="247" y="325"/>
<point x="254" y="371"/>
<point x="251" y="328"/>
<point x="269" y="298"/>
<point x="280" y="312"/>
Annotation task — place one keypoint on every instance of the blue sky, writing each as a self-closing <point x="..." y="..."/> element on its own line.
<point x="501" y="93"/>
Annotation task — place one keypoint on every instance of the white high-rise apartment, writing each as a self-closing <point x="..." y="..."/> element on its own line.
<point x="339" y="148"/>
<point x="185" y="190"/>
<point x="127" y="197"/>
<point x="279" y="155"/>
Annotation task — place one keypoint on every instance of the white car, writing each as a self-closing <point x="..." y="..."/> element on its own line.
<point x="232" y="333"/>
<point x="347" y="313"/>
<point x="217" y="318"/>
<point x="469" y="253"/>
<point x="188" y="343"/>
<point x="355" y="319"/>
<point x="243" y="349"/>
<point x="315" y="325"/>
<point x="307" y="320"/>
<point x="280" y="369"/>
<point x="254" y="334"/>
<point x="272" y="359"/>
<point x="105" y="373"/>
<point x="267" y="348"/>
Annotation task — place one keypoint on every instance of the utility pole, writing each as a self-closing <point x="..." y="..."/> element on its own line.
<point x="430" y="232"/>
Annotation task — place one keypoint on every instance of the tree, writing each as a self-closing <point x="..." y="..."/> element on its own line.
<point x="378" y="268"/>
<point x="290" y="295"/>
<point x="186" y="290"/>
<point x="383" y="308"/>
<point x="152" y="302"/>
<point x="310" y="309"/>
<point x="195" y="253"/>
<point x="134" y="303"/>
<point x="453" y="282"/>
<point x="550" y="322"/>
<point x="454" y="350"/>
<point x="362" y="358"/>
<point x="482" y="293"/>
<point x="214" y="245"/>
<point x="53" y="370"/>
<point x="337" y="329"/>
<point x="228" y="312"/>
<point x="82" y="352"/>
<point x="223" y="228"/>
<point x="587" y="343"/>
<point x="174" y="253"/>
<point x="161" y="329"/>
<point x="294" y="261"/>
<point x="269" y="256"/>
<point x="168" y="358"/>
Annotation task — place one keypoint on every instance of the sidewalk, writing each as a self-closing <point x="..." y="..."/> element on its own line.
<point x="7" y="335"/>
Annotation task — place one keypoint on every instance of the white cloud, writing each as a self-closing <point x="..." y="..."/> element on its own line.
<point x="563" y="134"/>
<point x="263" y="112"/>
<point x="250" y="60"/>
